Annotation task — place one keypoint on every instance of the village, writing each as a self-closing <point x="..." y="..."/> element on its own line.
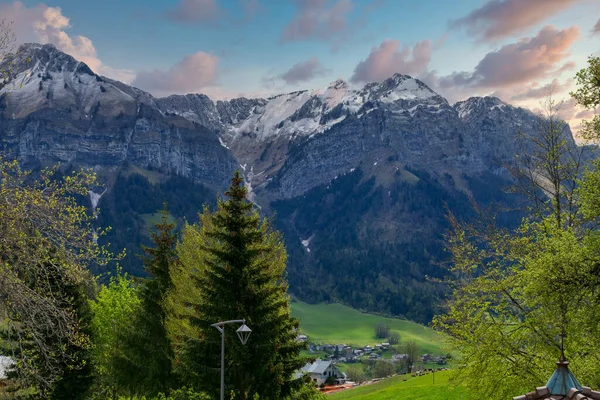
<point x="327" y="372"/>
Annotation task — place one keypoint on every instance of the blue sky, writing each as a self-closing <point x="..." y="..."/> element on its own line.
<point x="225" y="48"/>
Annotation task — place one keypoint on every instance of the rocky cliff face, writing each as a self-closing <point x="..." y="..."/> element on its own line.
<point x="56" y="110"/>
<point x="358" y="177"/>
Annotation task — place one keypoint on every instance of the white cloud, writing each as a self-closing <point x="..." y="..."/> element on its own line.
<point x="44" y="24"/>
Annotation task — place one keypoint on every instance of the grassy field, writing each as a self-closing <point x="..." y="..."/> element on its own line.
<point x="421" y="387"/>
<point x="155" y="218"/>
<point x="336" y="323"/>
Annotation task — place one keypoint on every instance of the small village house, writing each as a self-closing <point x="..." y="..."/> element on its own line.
<point x="320" y="371"/>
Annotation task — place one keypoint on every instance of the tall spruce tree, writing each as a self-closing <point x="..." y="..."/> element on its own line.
<point x="149" y="352"/>
<point x="242" y="276"/>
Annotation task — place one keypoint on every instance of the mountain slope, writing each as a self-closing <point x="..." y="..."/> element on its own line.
<point x="357" y="178"/>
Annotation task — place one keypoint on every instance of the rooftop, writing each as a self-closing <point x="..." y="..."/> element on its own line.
<point x="561" y="385"/>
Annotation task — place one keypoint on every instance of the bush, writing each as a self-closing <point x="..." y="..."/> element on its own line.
<point x="183" y="394"/>
<point x="382" y="331"/>
<point x="394" y="338"/>
<point x="356" y="373"/>
<point x="307" y="392"/>
<point x="382" y="368"/>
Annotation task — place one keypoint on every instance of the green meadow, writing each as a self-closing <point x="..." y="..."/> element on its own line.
<point x="336" y="323"/>
<point x="421" y="387"/>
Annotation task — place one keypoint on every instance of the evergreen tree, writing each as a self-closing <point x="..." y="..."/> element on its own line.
<point x="78" y="372"/>
<point x="242" y="267"/>
<point x="149" y="352"/>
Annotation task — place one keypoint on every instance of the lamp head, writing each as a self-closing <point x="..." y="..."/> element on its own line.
<point x="243" y="333"/>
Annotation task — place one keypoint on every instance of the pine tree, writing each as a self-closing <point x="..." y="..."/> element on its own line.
<point x="149" y="352"/>
<point x="78" y="373"/>
<point x="242" y="276"/>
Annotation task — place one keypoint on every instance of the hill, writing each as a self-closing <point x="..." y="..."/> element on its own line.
<point x="336" y="323"/>
<point x="421" y="387"/>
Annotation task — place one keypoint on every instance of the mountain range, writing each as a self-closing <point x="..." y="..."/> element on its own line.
<point x="357" y="179"/>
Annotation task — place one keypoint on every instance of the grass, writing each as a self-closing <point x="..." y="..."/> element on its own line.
<point x="152" y="176"/>
<point x="154" y="218"/>
<point x="421" y="387"/>
<point x="336" y="323"/>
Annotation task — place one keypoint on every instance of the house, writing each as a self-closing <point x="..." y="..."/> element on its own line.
<point x="320" y="370"/>
<point x="399" y="358"/>
<point x="426" y="357"/>
<point x="374" y="355"/>
<point x="377" y="347"/>
<point x="302" y="338"/>
<point x="385" y="346"/>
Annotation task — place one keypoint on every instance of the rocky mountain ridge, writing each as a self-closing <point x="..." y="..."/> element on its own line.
<point x="358" y="177"/>
<point x="399" y="115"/>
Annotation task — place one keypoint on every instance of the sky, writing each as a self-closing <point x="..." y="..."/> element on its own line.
<point x="517" y="50"/>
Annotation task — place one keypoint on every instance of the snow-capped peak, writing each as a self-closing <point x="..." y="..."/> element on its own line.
<point x="338" y="84"/>
<point x="478" y="104"/>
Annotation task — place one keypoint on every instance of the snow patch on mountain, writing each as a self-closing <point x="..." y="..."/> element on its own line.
<point x="306" y="242"/>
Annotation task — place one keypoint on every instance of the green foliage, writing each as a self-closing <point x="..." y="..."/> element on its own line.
<point x="518" y="293"/>
<point x="383" y="368"/>
<point x="134" y="198"/>
<point x="402" y="242"/>
<point x="78" y="371"/>
<point x="412" y="350"/>
<point x="306" y="392"/>
<point x="588" y="95"/>
<point x="382" y="330"/>
<point x="47" y="243"/>
<point x="114" y="308"/>
<point x="241" y="276"/>
<point x="394" y="338"/>
<point x="149" y="348"/>
<point x="356" y="373"/>
<point x="182" y="394"/>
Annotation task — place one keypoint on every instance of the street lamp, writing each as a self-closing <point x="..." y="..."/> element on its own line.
<point x="243" y="333"/>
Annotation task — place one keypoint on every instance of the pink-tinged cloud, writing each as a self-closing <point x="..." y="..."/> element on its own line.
<point x="528" y="60"/>
<point x="316" y="20"/>
<point x="45" y="24"/>
<point x="194" y="11"/>
<point x="303" y="71"/>
<point x="537" y="92"/>
<point x="389" y="58"/>
<point x="569" y="110"/>
<point x="596" y="29"/>
<point x="498" y="19"/>
<point x="193" y="73"/>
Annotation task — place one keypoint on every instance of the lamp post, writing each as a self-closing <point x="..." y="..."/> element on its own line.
<point x="243" y="333"/>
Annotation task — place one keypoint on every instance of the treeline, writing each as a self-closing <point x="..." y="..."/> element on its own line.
<point x="377" y="247"/>
<point x="149" y="338"/>
<point x="133" y="197"/>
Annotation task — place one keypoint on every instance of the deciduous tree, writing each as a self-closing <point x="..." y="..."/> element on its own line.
<point x="46" y="244"/>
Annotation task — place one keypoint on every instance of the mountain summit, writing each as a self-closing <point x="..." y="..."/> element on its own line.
<point x="358" y="177"/>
